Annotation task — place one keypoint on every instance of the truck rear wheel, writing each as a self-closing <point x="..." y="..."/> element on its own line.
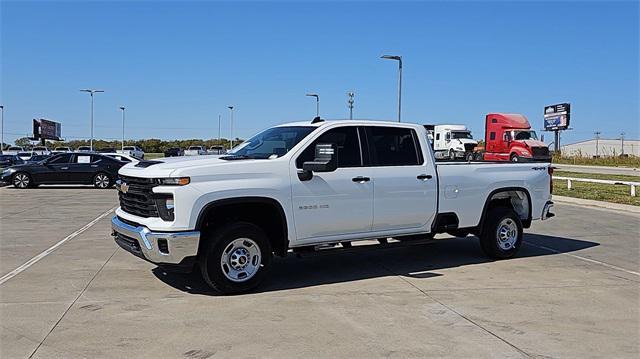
<point x="236" y="258"/>
<point x="501" y="235"/>
<point x="514" y="158"/>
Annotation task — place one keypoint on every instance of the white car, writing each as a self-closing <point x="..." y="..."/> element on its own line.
<point x="134" y="151"/>
<point x="63" y="149"/>
<point x="26" y="155"/>
<point x="122" y="157"/>
<point x="216" y="150"/>
<point x="13" y="150"/>
<point x="195" y="151"/>
<point x="304" y="186"/>
<point x="83" y="149"/>
<point x="41" y="150"/>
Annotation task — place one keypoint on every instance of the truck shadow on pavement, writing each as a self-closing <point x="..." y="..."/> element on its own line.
<point x="419" y="261"/>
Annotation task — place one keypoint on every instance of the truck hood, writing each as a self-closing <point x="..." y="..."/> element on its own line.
<point x="183" y="166"/>
<point x="532" y="143"/>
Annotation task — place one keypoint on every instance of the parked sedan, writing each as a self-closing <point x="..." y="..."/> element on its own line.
<point x="10" y="160"/>
<point x="26" y="156"/>
<point x="41" y="150"/>
<point x="65" y="168"/>
<point x="62" y="149"/>
<point x="195" y="151"/>
<point x="13" y="150"/>
<point x="84" y="149"/>
<point x="134" y="151"/>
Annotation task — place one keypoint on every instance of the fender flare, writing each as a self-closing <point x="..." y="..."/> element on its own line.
<point x="525" y="223"/>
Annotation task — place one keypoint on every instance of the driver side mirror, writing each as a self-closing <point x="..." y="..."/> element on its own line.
<point x="326" y="160"/>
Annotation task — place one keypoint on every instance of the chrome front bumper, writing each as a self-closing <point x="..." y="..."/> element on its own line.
<point x="156" y="247"/>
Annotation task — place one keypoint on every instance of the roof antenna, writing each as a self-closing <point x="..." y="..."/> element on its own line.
<point x="317" y="119"/>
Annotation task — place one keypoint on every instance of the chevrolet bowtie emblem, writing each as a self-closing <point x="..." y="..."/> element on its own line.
<point x="124" y="187"/>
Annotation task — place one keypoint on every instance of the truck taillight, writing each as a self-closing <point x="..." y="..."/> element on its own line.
<point x="550" y="171"/>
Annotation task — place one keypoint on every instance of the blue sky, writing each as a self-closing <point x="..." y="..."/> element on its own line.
<point x="177" y="65"/>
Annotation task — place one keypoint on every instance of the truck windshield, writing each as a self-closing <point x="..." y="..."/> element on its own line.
<point x="461" y="134"/>
<point x="272" y="143"/>
<point x="525" y="135"/>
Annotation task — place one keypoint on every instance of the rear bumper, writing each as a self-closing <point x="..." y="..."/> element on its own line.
<point x="161" y="248"/>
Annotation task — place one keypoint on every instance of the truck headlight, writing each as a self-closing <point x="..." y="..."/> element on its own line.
<point x="526" y="153"/>
<point x="173" y="181"/>
<point x="165" y="205"/>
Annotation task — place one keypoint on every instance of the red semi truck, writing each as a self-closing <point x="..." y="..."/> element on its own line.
<point x="509" y="137"/>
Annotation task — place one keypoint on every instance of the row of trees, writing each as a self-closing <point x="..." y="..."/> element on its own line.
<point x="152" y="145"/>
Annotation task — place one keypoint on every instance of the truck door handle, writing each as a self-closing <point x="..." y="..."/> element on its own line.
<point x="424" y="177"/>
<point x="361" y="179"/>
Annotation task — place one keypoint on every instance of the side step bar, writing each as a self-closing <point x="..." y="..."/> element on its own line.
<point x="312" y="251"/>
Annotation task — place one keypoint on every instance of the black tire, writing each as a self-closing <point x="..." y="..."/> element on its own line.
<point x="514" y="158"/>
<point x="478" y="156"/>
<point x="212" y="264"/>
<point x="492" y="238"/>
<point x="102" y="180"/>
<point x="22" y="180"/>
<point x="469" y="156"/>
<point x="452" y="155"/>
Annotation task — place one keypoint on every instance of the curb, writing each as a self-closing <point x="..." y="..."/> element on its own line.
<point x="598" y="204"/>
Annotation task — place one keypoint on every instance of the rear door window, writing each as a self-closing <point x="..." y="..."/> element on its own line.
<point x="393" y="146"/>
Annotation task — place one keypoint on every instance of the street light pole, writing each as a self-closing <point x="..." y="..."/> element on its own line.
<point x="399" y="59"/>
<point x="219" y="127"/>
<point x="91" y="92"/>
<point x="122" y="108"/>
<point x="231" y="109"/>
<point x="622" y="139"/>
<point x="2" y="129"/>
<point x="317" y="102"/>
<point x="350" y="102"/>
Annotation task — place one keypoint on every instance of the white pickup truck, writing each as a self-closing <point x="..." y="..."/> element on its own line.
<point x="305" y="186"/>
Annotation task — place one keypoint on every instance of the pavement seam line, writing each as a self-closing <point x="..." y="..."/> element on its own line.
<point x="48" y="251"/>
<point x="458" y="313"/>
<point x="72" y="304"/>
<point x="611" y="266"/>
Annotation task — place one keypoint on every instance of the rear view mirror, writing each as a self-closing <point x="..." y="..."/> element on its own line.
<point x="326" y="160"/>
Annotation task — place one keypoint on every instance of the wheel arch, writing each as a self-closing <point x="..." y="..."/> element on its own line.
<point x="513" y="197"/>
<point x="274" y="222"/>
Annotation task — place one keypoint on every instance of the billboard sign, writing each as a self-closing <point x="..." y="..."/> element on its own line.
<point x="47" y="130"/>
<point x="556" y="117"/>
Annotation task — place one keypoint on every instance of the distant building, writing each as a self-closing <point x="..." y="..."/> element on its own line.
<point x="605" y="148"/>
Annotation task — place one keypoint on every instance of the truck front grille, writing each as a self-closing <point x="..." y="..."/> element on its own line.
<point x="138" y="199"/>
<point x="540" y="151"/>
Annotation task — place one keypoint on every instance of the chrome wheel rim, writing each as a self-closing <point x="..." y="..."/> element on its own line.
<point x="102" y="181"/>
<point x="21" y="180"/>
<point x="507" y="234"/>
<point x="240" y="260"/>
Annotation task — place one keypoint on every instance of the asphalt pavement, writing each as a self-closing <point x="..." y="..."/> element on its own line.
<point x="572" y="292"/>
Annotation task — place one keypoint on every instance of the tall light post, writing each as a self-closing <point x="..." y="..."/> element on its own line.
<point x="122" y="108"/>
<point x="350" y="102"/>
<point x="219" y="127"/>
<point x="2" y="129"/>
<point x="317" y="102"/>
<point x="622" y="144"/>
<point x="231" y="110"/>
<point x="399" y="59"/>
<point x="91" y="92"/>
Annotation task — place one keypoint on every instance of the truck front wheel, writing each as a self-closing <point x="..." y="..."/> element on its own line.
<point x="514" y="157"/>
<point x="501" y="235"/>
<point x="236" y="258"/>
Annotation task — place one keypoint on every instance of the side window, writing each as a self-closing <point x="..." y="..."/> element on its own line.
<point x="437" y="136"/>
<point x="95" y="158"/>
<point x="492" y="136"/>
<point x="392" y="146"/>
<point x="348" y="147"/>
<point x="66" y="158"/>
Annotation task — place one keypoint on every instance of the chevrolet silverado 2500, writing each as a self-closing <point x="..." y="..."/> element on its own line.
<point x="301" y="186"/>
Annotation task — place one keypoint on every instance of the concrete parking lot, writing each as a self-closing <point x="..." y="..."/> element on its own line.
<point x="572" y="292"/>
